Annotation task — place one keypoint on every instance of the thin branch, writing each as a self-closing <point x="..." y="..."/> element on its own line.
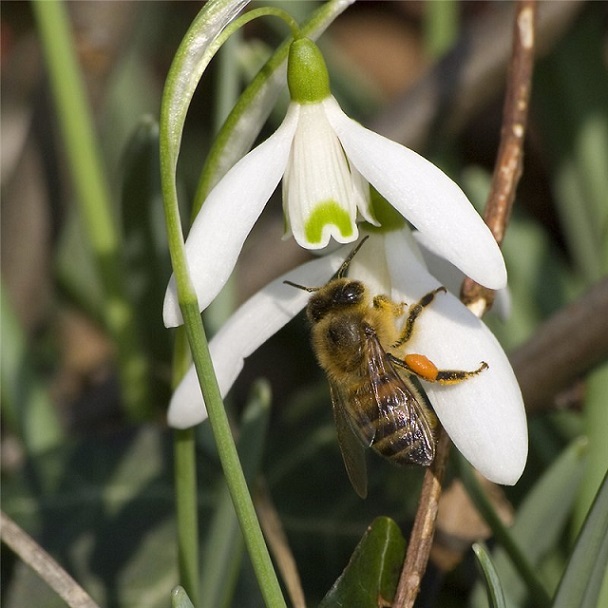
<point x="563" y="349"/>
<point x="43" y="564"/>
<point x="279" y="545"/>
<point x="507" y="172"/>
<point x="421" y="538"/>
<point x="509" y="163"/>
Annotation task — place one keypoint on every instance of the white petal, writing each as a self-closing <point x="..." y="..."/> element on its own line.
<point x="187" y="407"/>
<point x="369" y="265"/>
<point x="227" y="216"/>
<point x="484" y="416"/>
<point x="424" y="195"/>
<point x="361" y="196"/>
<point x="451" y="278"/>
<point x="250" y="326"/>
<point x="318" y="187"/>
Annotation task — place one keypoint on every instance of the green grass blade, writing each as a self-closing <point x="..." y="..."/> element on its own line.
<point x="496" y="596"/>
<point x="582" y="581"/>
<point x="539" y="523"/>
<point x="180" y="599"/>
<point x="26" y="405"/>
<point x="93" y="197"/>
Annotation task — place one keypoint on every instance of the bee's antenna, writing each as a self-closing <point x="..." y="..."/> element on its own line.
<point x="341" y="271"/>
<point x="346" y="263"/>
<point x="302" y="287"/>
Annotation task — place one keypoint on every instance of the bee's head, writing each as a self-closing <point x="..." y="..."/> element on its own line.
<point x="337" y="295"/>
<point x="343" y="291"/>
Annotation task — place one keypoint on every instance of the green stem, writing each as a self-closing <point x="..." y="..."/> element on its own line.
<point x="440" y="26"/>
<point x="235" y="479"/>
<point x="93" y="197"/>
<point x="208" y="32"/>
<point x="186" y="504"/>
<point x="187" y="516"/>
<point x="195" y="333"/>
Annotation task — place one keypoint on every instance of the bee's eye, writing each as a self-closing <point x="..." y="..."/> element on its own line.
<point x="350" y="293"/>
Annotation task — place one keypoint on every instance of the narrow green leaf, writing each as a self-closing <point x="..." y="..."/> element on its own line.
<point x="180" y="599"/>
<point x="595" y="415"/>
<point x="496" y="596"/>
<point x="373" y="571"/>
<point x="539" y="523"/>
<point x="582" y="581"/>
<point x="577" y="101"/>
<point x="26" y="405"/>
<point x="94" y="198"/>
<point x="145" y="240"/>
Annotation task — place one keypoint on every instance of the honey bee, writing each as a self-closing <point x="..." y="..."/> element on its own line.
<point x="378" y="400"/>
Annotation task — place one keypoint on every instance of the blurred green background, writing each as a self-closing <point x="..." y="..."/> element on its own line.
<point x="87" y="457"/>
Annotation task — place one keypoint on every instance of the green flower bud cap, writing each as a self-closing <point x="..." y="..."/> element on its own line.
<point x="307" y="75"/>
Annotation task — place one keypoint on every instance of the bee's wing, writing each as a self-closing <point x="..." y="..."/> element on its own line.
<point x="406" y="419"/>
<point x="353" y="452"/>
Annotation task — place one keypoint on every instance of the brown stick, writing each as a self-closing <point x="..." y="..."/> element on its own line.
<point x="279" y="545"/>
<point x="421" y="538"/>
<point x="43" y="564"/>
<point x="508" y="168"/>
<point x="563" y="349"/>
<point x="507" y="172"/>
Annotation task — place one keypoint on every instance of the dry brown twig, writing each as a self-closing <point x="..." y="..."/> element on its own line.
<point x="278" y="544"/>
<point x="43" y="564"/>
<point x="421" y="538"/>
<point x="506" y="175"/>
<point x="563" y="348"/>
<point x="509" y="163"/>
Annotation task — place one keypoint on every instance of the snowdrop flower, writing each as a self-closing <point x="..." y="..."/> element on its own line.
<point x="484" y="415"/>
<point x="327" y="161"/>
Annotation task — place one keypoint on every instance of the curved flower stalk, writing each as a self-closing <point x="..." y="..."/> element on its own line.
<point x="327" y="161"/>
<point x="484" y="416"/>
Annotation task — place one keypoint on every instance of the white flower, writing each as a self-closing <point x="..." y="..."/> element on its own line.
<point x="484" y="415"/>
<point x="246" y="330"/>
<point x="327" y="162"/>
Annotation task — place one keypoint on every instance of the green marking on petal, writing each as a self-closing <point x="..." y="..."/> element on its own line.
<point x="307" y="75"/>
<point x="328" y="212"/>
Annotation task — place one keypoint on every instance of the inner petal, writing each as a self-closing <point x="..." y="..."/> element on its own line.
<point x="318" y="192"/>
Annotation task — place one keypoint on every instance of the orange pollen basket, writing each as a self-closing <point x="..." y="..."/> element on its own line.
<point x="422" y="366"/>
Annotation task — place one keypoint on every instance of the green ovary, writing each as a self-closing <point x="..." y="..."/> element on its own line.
<point x="328" y="212"/>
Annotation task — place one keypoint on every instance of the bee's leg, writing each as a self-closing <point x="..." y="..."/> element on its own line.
<point x="415" y="311"/>
<point x="385" y="303"/>
<point x="424" y="368"/>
